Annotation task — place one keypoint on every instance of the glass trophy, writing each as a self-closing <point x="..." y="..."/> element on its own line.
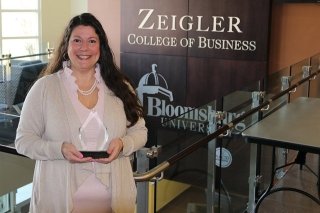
<point x="94" y="138"/>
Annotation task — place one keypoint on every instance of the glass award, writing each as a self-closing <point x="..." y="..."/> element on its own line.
<point x="93" y="136"/>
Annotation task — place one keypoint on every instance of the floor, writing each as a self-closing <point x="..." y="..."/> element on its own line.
<point x="193" y="200"/>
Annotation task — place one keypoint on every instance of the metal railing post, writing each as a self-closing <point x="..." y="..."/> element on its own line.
<point x="142" y="187"/>
<point x="212" y="127"/>
<point x="257" y="97"/>
<point x="281" y="153"/>
<point x="143" y="155"/>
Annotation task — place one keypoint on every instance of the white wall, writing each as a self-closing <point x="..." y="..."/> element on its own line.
<point x="108" y="13"/>
<point x="56" y="15"/>
<point x="78" y="6"/>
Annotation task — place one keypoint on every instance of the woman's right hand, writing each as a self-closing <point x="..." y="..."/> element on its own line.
<point x="73" y="155"/>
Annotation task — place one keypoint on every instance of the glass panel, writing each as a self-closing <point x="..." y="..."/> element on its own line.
<point x="185" y="184"/>
<point x="17" y="24"/>
<point x="277" y="82"/>
<point x="233" y="195"/>
<point x="19" y="4"/>
<point x="296" y="76"/>
<point x="274" y="86"/>
<point x="20" y="47"/>
<point x="315" y="83"/>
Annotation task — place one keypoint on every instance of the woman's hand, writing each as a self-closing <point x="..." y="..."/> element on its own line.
<point x="73" y="155"/>
<point x="114" y="149"/>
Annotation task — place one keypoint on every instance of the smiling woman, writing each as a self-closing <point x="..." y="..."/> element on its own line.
<point x="83" y="102"/>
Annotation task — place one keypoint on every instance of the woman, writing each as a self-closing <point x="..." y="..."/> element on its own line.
<point x="82" y="102"/>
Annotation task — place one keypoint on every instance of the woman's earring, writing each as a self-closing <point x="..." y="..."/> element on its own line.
<point x="66" y="64"/>
<point x="65" y="57"/>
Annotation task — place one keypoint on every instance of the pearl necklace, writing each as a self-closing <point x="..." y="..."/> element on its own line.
<point x="89" y="91"/>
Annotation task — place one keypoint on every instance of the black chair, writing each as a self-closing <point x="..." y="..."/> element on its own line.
<point x="29" y="75"/>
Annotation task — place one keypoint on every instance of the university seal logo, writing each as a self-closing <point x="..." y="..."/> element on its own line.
<point x="153" y="83"/>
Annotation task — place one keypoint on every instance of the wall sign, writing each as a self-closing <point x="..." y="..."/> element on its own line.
<point x="184" y="54"/>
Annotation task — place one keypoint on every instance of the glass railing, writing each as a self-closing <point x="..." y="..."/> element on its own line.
<point x="200" y="181"/>
<point x="201" y="162"/>
<point x="190" y="174"/>
<point x="213" y="176"/>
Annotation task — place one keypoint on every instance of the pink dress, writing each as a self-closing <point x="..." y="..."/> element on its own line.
<point x="92" y="195"/>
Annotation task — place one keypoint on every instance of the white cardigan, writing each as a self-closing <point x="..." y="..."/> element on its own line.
<point x="47" y="120"/>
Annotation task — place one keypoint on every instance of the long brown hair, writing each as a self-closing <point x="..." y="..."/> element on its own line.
<point x="115" y="80"/>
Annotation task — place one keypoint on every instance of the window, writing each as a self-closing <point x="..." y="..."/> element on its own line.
<point x="19" y="27"/>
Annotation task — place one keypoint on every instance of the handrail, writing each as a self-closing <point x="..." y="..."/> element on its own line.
<point x="146" y="176"/>
<point x="50" y="51"/>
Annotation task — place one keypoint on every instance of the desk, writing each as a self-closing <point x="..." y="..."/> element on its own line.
<point x="9" y="119"/>
<point x="294" y="126"/>
<point x="16" y="170"/>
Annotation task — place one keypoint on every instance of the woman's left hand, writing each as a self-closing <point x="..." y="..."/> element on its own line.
<point x="114" y="149"/>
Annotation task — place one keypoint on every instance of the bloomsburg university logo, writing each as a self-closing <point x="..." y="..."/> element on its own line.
<point x="154" y="91"/>
<point x="158" y="100"/>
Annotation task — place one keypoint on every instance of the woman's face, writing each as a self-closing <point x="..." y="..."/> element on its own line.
<point x="83" y="48"/>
